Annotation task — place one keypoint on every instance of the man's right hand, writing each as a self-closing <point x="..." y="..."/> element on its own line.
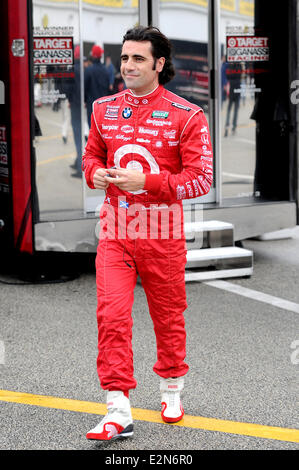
<point x="98" y="179"/>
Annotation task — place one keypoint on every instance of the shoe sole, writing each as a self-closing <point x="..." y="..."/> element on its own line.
<point x="123" y="435"/>
<point x="169" y="419"/>
<point x="127" y="432"/>
<point x="172" y="420"/>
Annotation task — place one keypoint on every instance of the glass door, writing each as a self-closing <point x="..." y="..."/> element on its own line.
<point x="56" y="35"/>
<point x="72" y="39"/>
<point x="244" y="57"/>
<point x="104" y="23"/>
<point x="186" y="24"/>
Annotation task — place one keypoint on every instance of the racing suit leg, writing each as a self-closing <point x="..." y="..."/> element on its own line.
<point x="162" y="275"/>
<point x="115" y="286"/>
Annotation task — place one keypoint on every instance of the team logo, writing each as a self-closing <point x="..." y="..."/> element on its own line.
<point x="105" y="100"/>
<point x="189" y="187"/>
<point x="155" y="122"/>
<point x="109" y="127"/>
<point x="127" y="129"/>
<point x="180" y="192"/>
<point x="205" y="151"/>
<point x="111" y="112"/>
<point x="180" y="106"/>
<point x="127" y="113"/>
<point x="144" y="130"/>
<point x="205" y="138"/>
<point x="160" y="114"/>
<point x="130" y="149"/>
<point x="173" y="143"/>
<point x="169" y="134"/>
<point x="123" y="137"/>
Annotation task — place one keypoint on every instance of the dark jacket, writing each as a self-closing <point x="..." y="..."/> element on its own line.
<point x="96" y="82"/>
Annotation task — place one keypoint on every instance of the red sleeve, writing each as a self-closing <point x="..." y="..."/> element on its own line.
<point x="196" y="176"/>
<point x="95" y="154"/>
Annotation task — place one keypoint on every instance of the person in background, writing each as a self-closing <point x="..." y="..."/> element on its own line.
<point x="224" y="82"/>
<point x="96" y="80"/>
<point x="111" y="71"/>
<point x="233" y="73"/>
<point x="74" y="97"/>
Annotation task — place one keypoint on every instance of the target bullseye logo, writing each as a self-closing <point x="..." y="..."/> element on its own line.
<point x="232" y="42"/>
<point x="134" y="164"/>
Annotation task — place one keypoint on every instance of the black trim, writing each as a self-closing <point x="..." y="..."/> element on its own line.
<point x="34" y="194"/>
<point x="293" y="70"/>
<point x="211" y="47"/>
<point x="24" y="222"/>
<point x="149" y="13"/>
<point x="212" y="84"/>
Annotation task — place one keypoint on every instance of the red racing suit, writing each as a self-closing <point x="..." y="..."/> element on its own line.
<point x="168" y="139"/>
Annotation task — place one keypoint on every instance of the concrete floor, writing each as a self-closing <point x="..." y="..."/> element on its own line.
<point x="242" y="365"/>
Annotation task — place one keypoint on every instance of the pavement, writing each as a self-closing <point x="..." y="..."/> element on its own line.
<point x="241" y="391"/>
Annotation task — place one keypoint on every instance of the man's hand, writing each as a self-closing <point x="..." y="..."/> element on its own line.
<point x="99" y="180"/>
<point x="126" y="180"/>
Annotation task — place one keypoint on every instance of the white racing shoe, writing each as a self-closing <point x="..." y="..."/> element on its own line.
<point x="172" y="408"/>
<point x="117" y="423"/>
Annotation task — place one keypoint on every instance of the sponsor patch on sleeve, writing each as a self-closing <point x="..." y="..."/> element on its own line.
<point x="105" y="100"/>
<point x="181" y="106"/>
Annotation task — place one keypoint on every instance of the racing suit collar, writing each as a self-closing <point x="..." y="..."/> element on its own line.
<point x="144" y="100"/>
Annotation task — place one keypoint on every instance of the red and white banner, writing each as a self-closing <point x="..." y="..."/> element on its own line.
<point x="247" y="49"/>
<point x="53" y="51"/>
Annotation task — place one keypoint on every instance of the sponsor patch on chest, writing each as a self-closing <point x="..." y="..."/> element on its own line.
<point x="111" y="112"/>
<point x="127" y="113"/>
<point x="160" y="114"/>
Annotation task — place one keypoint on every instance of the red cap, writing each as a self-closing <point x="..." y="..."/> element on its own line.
<point x="96" y="52"/>
<point x="77" y="52"/>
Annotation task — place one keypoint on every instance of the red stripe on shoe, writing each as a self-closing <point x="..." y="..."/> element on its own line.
<point x="167" y="419"/>
<point x="110" y="430"/>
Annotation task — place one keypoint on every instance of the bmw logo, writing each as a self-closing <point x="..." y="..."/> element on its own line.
<point x="127" y="113"/>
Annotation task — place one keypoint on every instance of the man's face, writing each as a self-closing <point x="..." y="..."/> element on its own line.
<point x="137" y="67"/>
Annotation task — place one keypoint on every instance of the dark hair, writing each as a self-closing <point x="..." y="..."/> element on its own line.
<point x="161" y="47"/>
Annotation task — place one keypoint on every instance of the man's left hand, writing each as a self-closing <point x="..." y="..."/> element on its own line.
<point x="126" y="180"/>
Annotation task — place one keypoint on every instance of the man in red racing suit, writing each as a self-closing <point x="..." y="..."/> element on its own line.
<point x="164" y="141"/>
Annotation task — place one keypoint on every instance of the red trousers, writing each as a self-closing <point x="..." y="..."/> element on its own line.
<point x="160" y="263"/>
